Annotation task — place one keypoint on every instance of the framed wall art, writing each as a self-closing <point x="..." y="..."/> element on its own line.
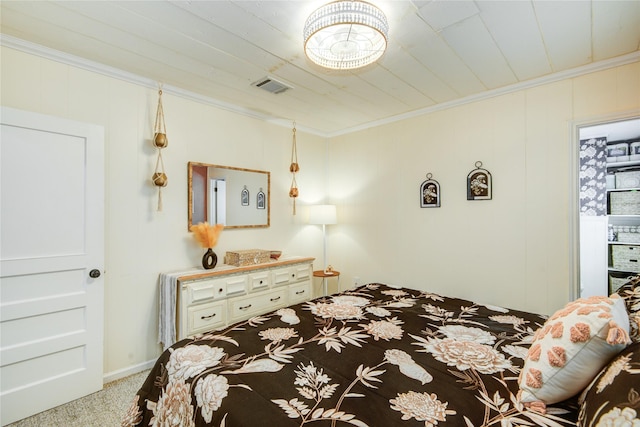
<point x="260" y="200"/>
<point x="244" y="196"/>
<point x="430" y="193"/>
<point x="479" y="183"/>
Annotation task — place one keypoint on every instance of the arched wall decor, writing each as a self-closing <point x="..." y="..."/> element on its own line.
<point x="479" y="184"/>
<point x="430" y="193"/>
<point x="244" y="196"/>
<point x="260" y="200"/>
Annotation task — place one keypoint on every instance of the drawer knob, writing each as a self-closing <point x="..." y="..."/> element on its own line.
<point x="300" y="292"/>
<point x="208" y="317"/>
<point x="245" y="307"/>
<point x="220" y="290"/>
<point x="274" y="299"/>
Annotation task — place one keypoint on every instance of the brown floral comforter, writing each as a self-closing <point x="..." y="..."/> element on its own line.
<point x="375" y="356"/>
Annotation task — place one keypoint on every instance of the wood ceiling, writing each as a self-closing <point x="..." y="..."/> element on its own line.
<point x="441" y="52"/>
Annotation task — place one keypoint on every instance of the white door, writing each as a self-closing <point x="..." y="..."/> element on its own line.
<point x="51" y="243"/>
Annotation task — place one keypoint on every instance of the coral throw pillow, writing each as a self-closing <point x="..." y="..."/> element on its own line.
<point x="571" y="348"/>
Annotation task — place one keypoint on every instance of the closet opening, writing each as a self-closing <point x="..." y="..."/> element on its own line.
<point x="607" y="239"/>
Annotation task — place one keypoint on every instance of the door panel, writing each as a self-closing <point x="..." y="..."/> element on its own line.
<point x="41" y="184"/>
<point x="51" y="236"/>
<point x="593" y="256"/>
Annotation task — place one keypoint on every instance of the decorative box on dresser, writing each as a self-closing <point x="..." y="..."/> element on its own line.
<point x="213" y="299"/>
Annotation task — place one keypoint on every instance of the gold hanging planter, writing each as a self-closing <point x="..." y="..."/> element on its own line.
<point x="294" y="168"/>
<point x="160" y="136"/>
<point x="160" y="141"/>
<point x="160" y="179"/>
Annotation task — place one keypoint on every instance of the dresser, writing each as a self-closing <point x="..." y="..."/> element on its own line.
<point x="215" y="298"/>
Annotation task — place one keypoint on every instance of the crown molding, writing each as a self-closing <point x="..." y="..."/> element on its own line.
<point x="54" y="55"/>
<point x="116" y="73"/>
<point x="550" y="78"/>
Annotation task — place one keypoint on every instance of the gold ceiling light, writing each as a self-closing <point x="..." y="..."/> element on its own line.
<point x="345" y="34"/>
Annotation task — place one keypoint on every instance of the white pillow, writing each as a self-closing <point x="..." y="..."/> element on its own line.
<point x="571" y="348"/>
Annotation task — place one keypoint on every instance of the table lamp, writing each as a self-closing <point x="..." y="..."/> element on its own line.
<point x="323" y="215"/>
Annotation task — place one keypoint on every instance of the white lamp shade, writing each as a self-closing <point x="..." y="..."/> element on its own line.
<point x="322" y="214"/>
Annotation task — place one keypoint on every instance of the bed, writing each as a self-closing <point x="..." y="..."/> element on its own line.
<point x="376" y="356"/>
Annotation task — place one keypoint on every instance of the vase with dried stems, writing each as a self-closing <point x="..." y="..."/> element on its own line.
<point x="207" y="236"/>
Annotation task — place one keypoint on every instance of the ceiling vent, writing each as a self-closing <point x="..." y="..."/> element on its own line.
<point x="271" y="85"/>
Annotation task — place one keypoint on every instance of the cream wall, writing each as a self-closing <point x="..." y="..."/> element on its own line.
<point x="514" y="250"/>
<point x="140" y="241"/>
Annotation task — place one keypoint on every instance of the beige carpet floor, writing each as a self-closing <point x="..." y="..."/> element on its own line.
<point x="104" y="408"/>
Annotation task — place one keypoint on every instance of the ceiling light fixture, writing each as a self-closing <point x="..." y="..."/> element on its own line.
<point x="345" y="34"/>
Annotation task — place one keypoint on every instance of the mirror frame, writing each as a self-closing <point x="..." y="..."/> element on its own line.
<point x="190" y="194"/>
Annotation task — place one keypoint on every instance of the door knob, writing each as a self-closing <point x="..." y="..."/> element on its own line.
<point x="95" y="273"/>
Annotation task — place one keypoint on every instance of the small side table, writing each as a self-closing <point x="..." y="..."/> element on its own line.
<point x="325" y="276"/>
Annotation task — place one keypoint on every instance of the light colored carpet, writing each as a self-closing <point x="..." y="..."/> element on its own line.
<point x="104" y="408"/>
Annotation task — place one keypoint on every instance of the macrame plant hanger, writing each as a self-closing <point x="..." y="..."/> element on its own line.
<point x="294" y="168"/>
<point x="160" y="141"/>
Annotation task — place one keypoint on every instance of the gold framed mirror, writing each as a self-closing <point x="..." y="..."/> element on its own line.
<point x="235" y="197"/>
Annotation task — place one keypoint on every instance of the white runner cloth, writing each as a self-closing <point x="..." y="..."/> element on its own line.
<point x="168" y="284"/>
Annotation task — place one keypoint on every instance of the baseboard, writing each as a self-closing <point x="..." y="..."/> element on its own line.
<point x="130" y="370"/>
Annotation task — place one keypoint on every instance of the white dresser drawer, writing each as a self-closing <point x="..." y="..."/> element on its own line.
<point x="282" y="276"/>
<point x="263" y="302"/>
<point x="293" y="274"/>
<point x="300" y="273"/>
<point x="205" y="289"/>
<point x="205" y="317"/>
<point x="259" y="281"/>
<point x="299" y="292"/>
<point x="236" y="285"/>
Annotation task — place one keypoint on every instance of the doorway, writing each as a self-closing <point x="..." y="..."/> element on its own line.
<point x="217" y="201"/>
<point x="608" y="157"/>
